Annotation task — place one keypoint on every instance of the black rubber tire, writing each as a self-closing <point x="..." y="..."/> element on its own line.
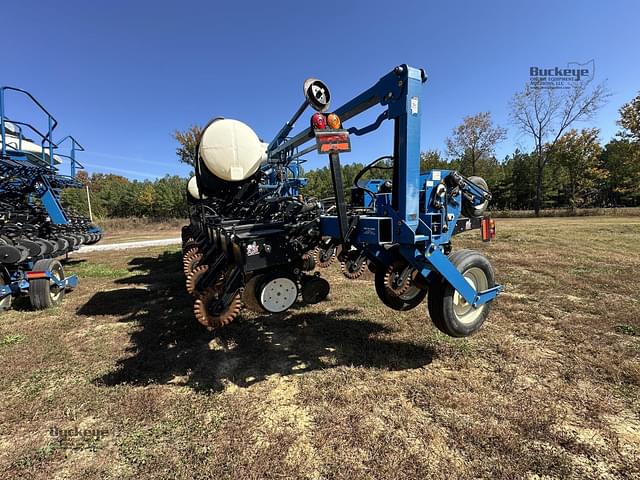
<point x="63" y="245"/>
<point x="71" y="241"/>
<point x="75" y="240"/>
<point x="441" y="296"/>
<point x="249" y="296"/>
<point x="35" y="249"/>
<point x="469" y="210"/>
<point x="47" y="248"/>
<point x="407" y="301"/>
<point x="41" y="293"/>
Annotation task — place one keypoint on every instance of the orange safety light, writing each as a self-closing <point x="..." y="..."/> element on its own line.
<point x="488" y="229"/>
<point x="333" y="121"/>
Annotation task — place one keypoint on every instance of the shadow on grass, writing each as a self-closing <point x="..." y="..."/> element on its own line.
<point x="170" y="346"/>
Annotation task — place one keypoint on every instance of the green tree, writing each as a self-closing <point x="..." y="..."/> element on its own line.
<point x="630" y="119"/>
<point x="545" y="114"/>
<point x="474" y="139"/>
<point x="433" y="160"/>
<point x="188" y="140"/>
<point x="578" y="154"/>
<point x="621" y="159"/>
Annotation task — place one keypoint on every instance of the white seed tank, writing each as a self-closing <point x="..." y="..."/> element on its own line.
<point x="231" y="150"/>
<point x="192" y="188"/>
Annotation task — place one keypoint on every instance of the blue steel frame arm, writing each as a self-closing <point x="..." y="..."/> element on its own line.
<point x="400" y="90"/>
<point x="75" y="147"/>
<point x="383" y="92"/>
<point x="52" y="122"/>
<point x="50" y="202"/>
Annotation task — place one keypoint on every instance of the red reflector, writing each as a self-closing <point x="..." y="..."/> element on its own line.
<point x="334" y="147"/>
<point x="329" y="141"/>
<point x="33" y="275"/>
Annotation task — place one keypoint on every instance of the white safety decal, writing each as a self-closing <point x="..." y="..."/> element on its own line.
<point x="414" y="105"/>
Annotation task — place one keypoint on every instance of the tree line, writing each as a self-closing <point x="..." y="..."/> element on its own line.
<point x="567" y="167"/>
<point x="116" y="196"/>
<point x="579" y="174"/>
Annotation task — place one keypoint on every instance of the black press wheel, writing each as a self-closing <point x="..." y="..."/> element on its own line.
<point x="314" y="289"/>
<point x="449" y="311"/>
<point x="408" y="300"/>
<point x="44" y="293"/>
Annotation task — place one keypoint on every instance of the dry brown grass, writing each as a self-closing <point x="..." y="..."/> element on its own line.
<point x="549" y="388"/>
<point x="137" y="229"/>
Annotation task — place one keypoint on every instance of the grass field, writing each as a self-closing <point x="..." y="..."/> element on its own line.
<point x="118" y="230"/>
<point x="120" y="382"/>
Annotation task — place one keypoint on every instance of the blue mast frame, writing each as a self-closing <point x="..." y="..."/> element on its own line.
<point x="412" y="230"/>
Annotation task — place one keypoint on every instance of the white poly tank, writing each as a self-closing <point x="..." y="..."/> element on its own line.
<point x="192" y="188"/>
<point x="231" y="150"/>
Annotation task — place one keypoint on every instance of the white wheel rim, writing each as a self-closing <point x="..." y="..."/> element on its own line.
<point x="464" y="311"/>
<point x="6" y="301"/>
<point x="278" y="294"/>
<point x="54" y="291"/>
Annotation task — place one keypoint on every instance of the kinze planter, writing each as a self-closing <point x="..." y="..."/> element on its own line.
<point x="255" y="240"/>
<point x="35" y="229"/>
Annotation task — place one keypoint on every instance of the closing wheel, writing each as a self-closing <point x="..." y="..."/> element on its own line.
<point x="210" y="311"/>
<point x="190" y="261"/>
<point x="44" y="293"/>
<point x="410" y="298"/>
<point x="190" y="245"/>
<point x="308" y="261"/>
<point x="449" y="311"/>
<point x="194" y="277"/>
<point x="325" y="255"/>
<point x="353" y="264"/>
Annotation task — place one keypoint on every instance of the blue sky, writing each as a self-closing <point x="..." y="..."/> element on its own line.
<point x="122" y="75"/>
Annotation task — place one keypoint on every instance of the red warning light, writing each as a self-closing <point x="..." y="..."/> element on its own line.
<point x="319" y="121"/>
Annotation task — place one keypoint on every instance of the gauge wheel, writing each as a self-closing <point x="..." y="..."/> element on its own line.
<point x="449" y="311"/>
<point x="43" y="292"/>
<point x="277" y="293"/>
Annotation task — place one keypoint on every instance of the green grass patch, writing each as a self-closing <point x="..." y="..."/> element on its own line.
<point x="12" y="339"/>
<point x="627" y="330"/>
